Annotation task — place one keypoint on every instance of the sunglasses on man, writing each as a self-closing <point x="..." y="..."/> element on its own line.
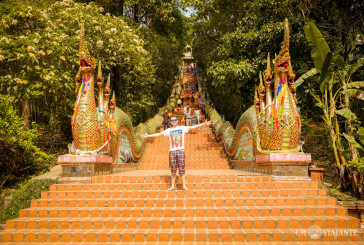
<point x="174" y="120"/>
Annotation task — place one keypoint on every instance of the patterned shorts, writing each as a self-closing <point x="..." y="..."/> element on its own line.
<point x="177" y="158"/>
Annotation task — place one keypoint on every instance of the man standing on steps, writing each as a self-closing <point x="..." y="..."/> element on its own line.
<point x="176" y="149"/>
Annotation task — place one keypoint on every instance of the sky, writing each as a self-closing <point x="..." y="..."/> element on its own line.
<point x="188" y="11"/>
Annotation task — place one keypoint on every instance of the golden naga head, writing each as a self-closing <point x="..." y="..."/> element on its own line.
<point x="268" y="73"/>
<point x="107" y="87"/>
<point x="86" y="62"/>
<point x="256" y="100"/>
<point x="278" y="120"/>
<point x="113" y="102"/>
<point x="100" y="78"/>
<point x="282" y="60"/>
<point x="261" y="86"/>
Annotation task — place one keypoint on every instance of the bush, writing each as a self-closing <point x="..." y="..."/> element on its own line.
<point x="19" y="157"/>
<point x="22" y="198"/>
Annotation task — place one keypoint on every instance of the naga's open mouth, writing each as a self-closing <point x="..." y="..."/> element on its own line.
<point x="99" y="81"/>
<point x="284" y="65"/>
<point x="262" y="93"/>
<point x="84" y="63"/>
<point x="107" y="92"/>
<point x="268" y="80"/>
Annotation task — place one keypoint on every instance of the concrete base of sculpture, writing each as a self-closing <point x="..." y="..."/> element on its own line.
<point x="84" y="166"/>
<point x="277" y="164"/>
<point x="79" y="167"/>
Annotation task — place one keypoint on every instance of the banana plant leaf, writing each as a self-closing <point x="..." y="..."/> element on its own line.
<point x="346" y="113"/>
<point x="325" y="69"/>
<point x="359" y="84"/>
<point x="305" y="76"/>
<point x="359" y="164"/>
<point x="320" y="48"/>
<point x="361" y="134"/>
<point x="352" y="141"/>
<point x="356" y="66"/>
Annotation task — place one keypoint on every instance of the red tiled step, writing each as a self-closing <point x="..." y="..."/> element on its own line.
<point x="174" y="202"/>
<point x="233" y="186"/>
<point x="190" y="178"/>
<point x="300" y="222"/>
<point x="192" y="167"/>
<point x="196" y="243"/>
<point x="165" y="235"/>
<point x="181" y="211"/>
<point x="152" y="190"/>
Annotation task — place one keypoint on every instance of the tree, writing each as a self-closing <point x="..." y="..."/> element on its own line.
<point x="243" y="32"/>
<point x="335" y="81"/>
<point x="39" y="55"/>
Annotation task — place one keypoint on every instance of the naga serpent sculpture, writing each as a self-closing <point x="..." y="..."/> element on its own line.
<point x="105" y="129"/>
<point x="272" y="124"/>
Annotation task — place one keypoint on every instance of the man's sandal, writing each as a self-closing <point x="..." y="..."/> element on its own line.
<point x="185" y="189"/>
<point x="171" y="189"/>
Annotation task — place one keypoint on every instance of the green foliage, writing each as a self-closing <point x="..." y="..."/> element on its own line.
<point x="22" y="198"/>
<point x="140" y="11"/>
<point x="347" y="113"/>
<point x="356" y="85"/>
<point x="335" y="77"/>
<point x="232" y="40"/>
<point x="19" y="157"/>
<point x="358" y="164"/>
<point x="302" y="78"/>
<point x="237" y="31"/>
<point x="10" y="123"/>
<point x="352" y="141"/>
<point x="320" y="49"/>
<point x="230" y="70"/>
<point x="361" y="134"/>
<point x="39" y="54"/>
<point x="165" y="42"/>
<point x="354" y="67"/>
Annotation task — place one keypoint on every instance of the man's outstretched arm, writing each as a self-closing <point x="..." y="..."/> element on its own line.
<point x="201" y="124"/>
<point x="150" y="135"/>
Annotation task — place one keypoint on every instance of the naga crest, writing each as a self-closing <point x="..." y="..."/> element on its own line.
<point x="86" y="62"/>
<point x="91" y="124"/>
<point x="278" y="120"/>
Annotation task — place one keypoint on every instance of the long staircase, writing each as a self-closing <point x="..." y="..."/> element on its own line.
<point x="201" y="149"/>
<point x="223" y="206"/>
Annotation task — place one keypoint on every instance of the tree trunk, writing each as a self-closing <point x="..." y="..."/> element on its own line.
<point x="26" y="114"/>
<point x="334" y="148"/>
<point x="338" y="140"/>
<point x="136" y="13"/>
<point x="349" y="130"/>
<point x="120" y="5"/>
